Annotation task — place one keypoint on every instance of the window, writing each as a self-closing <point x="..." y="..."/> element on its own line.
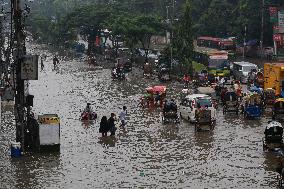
<point x="203" y="103"/>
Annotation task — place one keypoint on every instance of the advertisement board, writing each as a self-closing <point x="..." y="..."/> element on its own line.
<point x="49" y="129"/>
<point x="29" y="68"/>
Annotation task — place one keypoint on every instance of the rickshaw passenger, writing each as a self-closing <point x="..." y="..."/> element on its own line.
<point x="157" y="97"/>
<point x="280" y="166"/>
<point x="167" y="106"/>
<point x="88" y="108"/>
<point x="173" y="105"/>
<point x="114" y="71"/>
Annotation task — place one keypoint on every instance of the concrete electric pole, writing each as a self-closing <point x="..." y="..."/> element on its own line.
<point x="18" y="54"/>
<point x="262" y="26"/>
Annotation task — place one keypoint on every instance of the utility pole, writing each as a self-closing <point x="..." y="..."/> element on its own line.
<point x="244" y="49"/>
<point x="167" y="21"/>
<point x="2" y="41"/>
<point x="262" y="26"/>
<point x="19" y="53"/>
<point x="172" y="33"/>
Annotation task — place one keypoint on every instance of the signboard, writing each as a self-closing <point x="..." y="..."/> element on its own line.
<point x="273" y="11"/>
<point x="49" y="129"/>
<point x="49" y="134"/>
<point x="277" y="37"/>
<point x="29" y="68"/>
<point x="281" y="21"/>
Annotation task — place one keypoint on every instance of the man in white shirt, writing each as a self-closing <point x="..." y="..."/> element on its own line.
<point x="122" y="116"/>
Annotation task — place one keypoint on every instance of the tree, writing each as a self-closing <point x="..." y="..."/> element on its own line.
<point x="145" y="28"/>
<point x="137" y="30"/>
<point x="183" y="40"/>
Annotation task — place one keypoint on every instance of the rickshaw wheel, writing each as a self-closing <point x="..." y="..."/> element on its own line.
<point x="264" y="147"/>
<point x="163" y="120"/>
<point x="196" y="127"/>
<point x="224" y="110"/>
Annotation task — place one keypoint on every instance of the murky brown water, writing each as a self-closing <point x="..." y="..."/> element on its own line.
<point x="147" y="155"/>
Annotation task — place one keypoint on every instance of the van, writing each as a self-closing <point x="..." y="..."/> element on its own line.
<point x="191" y="103"/>
<point x="241" y="70"/>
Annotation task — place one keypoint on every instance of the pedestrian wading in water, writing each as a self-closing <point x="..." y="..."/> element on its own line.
<point x="111" y="124"/>
<point x="104" y="127"/>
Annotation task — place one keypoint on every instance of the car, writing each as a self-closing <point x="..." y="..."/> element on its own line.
<point x="191" y="103"/>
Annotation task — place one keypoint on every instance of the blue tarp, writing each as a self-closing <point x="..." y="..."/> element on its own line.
<point x="255" y="89"/>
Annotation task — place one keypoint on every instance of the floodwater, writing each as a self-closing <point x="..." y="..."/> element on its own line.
<point x="147" y="154"/>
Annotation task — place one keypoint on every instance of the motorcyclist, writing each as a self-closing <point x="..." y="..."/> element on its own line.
<point x="88" y="108"/>
<point x="186" y="79"/>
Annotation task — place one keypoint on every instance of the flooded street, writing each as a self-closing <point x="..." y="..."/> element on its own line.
<point x="147" y="155"/>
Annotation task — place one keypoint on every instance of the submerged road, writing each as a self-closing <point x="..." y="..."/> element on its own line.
<point x="147" y="155"/>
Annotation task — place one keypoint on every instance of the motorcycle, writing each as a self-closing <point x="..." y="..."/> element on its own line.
<point x="88" y="116"/>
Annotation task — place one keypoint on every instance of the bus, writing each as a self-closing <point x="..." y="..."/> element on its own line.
<point x="216" y="61"/>
<point x="218" y="64"/>
<point x="227" y="44"/>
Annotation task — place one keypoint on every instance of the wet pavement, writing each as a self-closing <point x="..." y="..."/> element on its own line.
<point x="147" y="154"/>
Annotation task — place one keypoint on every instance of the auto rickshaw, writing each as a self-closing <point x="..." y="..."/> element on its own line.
<point x="278" y="109"/>
<point x="273" y="136"/>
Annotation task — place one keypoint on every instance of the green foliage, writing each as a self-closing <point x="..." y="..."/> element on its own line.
<point x="218" y="18"/>
<point x="136" y="29"/>
<point x="183" y="40"/>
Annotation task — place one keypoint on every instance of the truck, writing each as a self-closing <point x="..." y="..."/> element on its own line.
<point x="274" y="77"/>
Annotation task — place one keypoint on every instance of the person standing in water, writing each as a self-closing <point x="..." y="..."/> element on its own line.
<point x="104" y="127"/>
<point x="41" y="63"/>
<point x="55" y="61"/>
<point x="111" y="124"/>
<point x="122" y="117"/>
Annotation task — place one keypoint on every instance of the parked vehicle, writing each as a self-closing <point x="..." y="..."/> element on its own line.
<point x="241" y="70"/>
<point x="193" y="102"/>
